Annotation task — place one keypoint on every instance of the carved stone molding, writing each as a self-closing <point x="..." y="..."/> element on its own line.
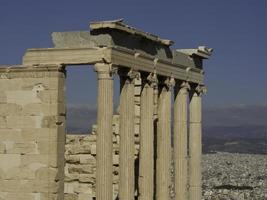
<point x="104" y="71"/>
<point x="201" y="89"/>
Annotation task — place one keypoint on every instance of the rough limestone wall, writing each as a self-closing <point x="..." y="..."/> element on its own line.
<point x="80" y="155"/>
<point x="32" y="133"/>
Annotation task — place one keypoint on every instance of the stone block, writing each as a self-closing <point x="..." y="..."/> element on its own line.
<point x="81" y="169"/>
<point x="116" y="159"/>
<point x="51" y="96"/>
<point x="3" y="122"/>
<point x="114" y="139"/>
<point x="87" y="178"/>
<point x="90" y="138"/>
<point x="137" y="100"/>
<point x="22" y="97"/>
<point x="50" y="196"/>
<point x="53" y="121"/>
<point x="24" y="121"/>
<point x="137" y="90"/>
<point x="85" y="197"/>
<point x="10" y="109"/>
<point x="137" y="120"/>
<point x="70" y="187"/>
<point x="28" y="186"/>
<point x="79" y="149"/>
<point x="71" y="177"/>
<point x="137" y="110"/>
<point x="138" y="82"/>
<point x="9" y="134"/>
<point x="9" y="161"/>
<point x="2" y="148"/>
<point x="42" y="134"/>
<point x="47" y="173"/>
<point x="46" y="159"/>
<point x="136" y="151"/>
<point x="3" y="98"/>
<point x="84" y="188"/>
<point x="116" y="118"/>
<point x="2" y="175"/>
<point x="44" y="109"/>
<point x="52" y="83"/>
<point x="87" y="159"/>
<point x="72" y="159"/>
<point x="21" y="196"/>
<point x="117" y="139"/>
<point x="21" y="148"/>
<point x="93" y="149"/>
<point x="115" y="129"/>
<point x="68" y="196"/>
<point x="10" y="84"/>
<point x="136" y="129"/>
<point x="51" y="147"/>
<point x="20" y="173"/>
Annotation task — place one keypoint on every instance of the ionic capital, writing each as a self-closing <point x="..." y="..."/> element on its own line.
<point x="200" y="90"/>
<point x="151" y="79"/>
<point x="133" y="74"/>
<point x="104" y="71"/>
<point x="182" y="87"/>
<point x="185" y="86"/>
<point x="128" y="75"/>
<point x="168" y="82"/>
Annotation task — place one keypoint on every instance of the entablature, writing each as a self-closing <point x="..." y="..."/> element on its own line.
<point x="118" y="44"/>
<point x="116" y="56"/>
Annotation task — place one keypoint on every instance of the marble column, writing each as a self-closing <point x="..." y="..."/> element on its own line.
<point x="104" y="160"/>
<point x="146" y="158"/>
<point x="127" y="115"/>
<point x="163" y="157"/>
<point x="180" y="140"/>
<point x="195" y="143"/>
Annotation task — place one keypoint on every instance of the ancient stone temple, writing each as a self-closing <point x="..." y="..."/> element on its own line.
<point x="33" y="116"/>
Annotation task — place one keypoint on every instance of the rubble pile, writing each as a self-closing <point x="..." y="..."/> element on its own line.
<point x="228" y="176"/>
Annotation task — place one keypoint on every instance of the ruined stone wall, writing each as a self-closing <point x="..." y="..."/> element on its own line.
<point x="80" y="167"/>
<point x="80" y="155"/>
<point x="32" y="133"/>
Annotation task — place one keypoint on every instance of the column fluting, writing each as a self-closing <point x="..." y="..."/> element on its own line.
<point x="163" y="156"/>
<point x="127" y="115"/>
<point x="195" y="143"/>
<point x="180" y="140"/>
<point x="104" y="132"/>
<point x="146" y="158"/>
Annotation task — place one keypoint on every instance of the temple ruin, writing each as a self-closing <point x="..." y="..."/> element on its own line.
<point x="33" y="119"/>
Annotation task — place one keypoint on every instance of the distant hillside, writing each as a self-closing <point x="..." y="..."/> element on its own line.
<point x="239" y="139"/>
<point x="80" y="118"/>
<point x="236" y="129"/>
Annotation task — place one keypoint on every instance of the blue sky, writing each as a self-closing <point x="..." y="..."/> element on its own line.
<point x="236" y="73"/>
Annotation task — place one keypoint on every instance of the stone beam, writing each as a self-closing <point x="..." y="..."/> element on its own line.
<point x="66" y="56"/>
<point x="181" y="68"/>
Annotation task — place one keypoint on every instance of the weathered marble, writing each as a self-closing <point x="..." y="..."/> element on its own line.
<point x="33" y="115"/>
<point x="104" y="127"/>
<point x="180" y="140"/>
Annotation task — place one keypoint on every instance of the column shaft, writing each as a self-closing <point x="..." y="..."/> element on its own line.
<point x="163" y="159"/>
<point x="104" y="133"/>
<point x="195" y="147"/>
<point x="146" y="158"/>
<point x="126" y="172"/>
<point x="180" y="141"/>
